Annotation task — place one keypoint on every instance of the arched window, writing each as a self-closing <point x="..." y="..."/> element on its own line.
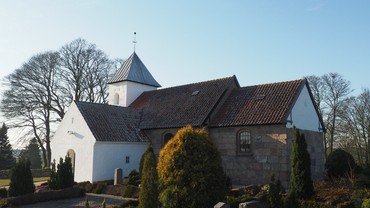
<point x="71" y="153"/>
<point x="244" y="141"/>
<point x="116" y="99"/>
<point x="166" y="137"/>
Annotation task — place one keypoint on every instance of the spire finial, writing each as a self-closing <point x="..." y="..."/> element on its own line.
<point x="134" y="41"/>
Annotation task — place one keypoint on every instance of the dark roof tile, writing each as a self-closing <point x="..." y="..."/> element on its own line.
<point x="181" y="105"/>
<point x="112" y="123"/>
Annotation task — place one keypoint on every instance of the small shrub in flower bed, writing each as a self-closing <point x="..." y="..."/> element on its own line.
<point x="96" y="187"/>
<point x="3" y="193"/>
<point x="129" y="203"/>
<point x="130" y="191"/>
<point x="366" y="203"/>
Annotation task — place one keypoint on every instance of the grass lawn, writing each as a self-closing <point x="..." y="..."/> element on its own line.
<point x="5" y="182"/>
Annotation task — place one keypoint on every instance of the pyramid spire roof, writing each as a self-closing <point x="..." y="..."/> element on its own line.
<point x="134" y="70"/>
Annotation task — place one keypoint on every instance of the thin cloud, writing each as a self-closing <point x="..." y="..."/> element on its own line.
<point x="319" y="5"/>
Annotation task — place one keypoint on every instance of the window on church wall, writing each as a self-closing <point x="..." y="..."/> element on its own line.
<point x="127" y="159"/>
<point x="116" y="99"/>
<point x="167" y="137"/>
<point x="244" y="142"/>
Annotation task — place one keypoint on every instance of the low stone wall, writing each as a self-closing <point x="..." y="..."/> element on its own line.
<point x="36" y="173"/>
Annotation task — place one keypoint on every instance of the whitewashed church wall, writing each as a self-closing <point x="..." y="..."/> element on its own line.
<point x="303" y="114"/>
<point x="111" y="155"/>
<point x="73" y="133"/>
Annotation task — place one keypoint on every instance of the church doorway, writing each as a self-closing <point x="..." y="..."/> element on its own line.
<point x="71" y="153"/>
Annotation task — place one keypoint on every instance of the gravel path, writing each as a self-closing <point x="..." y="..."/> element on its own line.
<point x="95" y="200"/>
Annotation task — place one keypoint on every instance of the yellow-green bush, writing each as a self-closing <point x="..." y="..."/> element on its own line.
<point x="190" y="171"/>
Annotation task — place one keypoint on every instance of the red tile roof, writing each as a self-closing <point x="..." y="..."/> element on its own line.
<point x="181" y="105"/>
<point x="257" y="105"/>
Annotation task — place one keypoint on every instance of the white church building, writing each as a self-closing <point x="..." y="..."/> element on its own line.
<point x="100" y="137"/>
<point x="251" y="126"/>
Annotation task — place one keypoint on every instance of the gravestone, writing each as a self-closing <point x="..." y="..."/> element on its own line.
<point x="221" y="205"/>
<point x="117" y="176"/>
<point x="253" y="204"/>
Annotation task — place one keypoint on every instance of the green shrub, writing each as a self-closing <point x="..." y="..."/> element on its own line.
<point x="339" y="163"/>
<point x="133" y="178"/>
<point x="274" y="193"/>
<point x="346" y="205"/>
<point x="366" y="203"/>
<point x="87" y="205"/>
<point x="21" y="180"/>
<point x="129" y="203"/>
<point x="65" y="176"/>
<point x="4" y="203"/>
<point x="100" y="187"/>
<point x="290" y="201"/>
<point x="142" y="161"/>
<point x="301" y="185"/>
<point x="190" y="171"/>
<point x="358" y="196"/>
<point x="235" y="201"/>
<point x="62" y="177"/>
<point x="52" y="182"/>
<point x="86" y="185"/>
<point x="3" y="193"/>
<point x="130" y="191"/>
<point x="148" y="195"/>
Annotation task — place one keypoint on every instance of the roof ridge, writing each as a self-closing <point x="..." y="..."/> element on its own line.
<point x="274" y="83"/>
<point x="194" y="83"/>
<point x="105" y="104"/>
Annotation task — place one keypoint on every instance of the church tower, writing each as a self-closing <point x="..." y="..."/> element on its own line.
<point x="132" y="79"/>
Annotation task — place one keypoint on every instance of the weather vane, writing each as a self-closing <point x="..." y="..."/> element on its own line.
<point x="134" y="41"/>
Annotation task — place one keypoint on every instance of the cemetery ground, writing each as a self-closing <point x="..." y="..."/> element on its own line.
<point x="6" y="182"/>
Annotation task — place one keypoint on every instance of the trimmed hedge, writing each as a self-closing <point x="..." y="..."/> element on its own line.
<point x="44" y="196"/>
<point x="3" y="193"/>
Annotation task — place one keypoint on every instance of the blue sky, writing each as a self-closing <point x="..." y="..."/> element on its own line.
<point x="186" y="41"/>
<point x="181" y="42"/>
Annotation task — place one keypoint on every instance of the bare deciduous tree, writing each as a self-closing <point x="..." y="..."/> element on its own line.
<point x="40" y="92"/>
<point x="86" y="70"/>
<point x="31" y="95"/>
<point x="336" y="91"/>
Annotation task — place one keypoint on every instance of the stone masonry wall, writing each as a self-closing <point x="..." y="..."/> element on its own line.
<point x="156" y="137"/>
<point x="269" y="154"/>
<point x="315" y="146"/>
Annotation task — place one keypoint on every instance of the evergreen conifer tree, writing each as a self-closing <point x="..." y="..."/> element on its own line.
<point x="52" y="182"/>
<point x="7" y="160"/>
<point x="148" y="196"/>
<point x="65" y="176"/>
<point x="21" y="180"/>
<point x="274" y="193"/>
<point x="301" y="185"/>
<point x="62" y="177"/>
<point x="32" y="152"/>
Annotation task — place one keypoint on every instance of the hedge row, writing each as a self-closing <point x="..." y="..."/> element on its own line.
<point x="36" y="173"/>
<point x="42" y="197"/>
